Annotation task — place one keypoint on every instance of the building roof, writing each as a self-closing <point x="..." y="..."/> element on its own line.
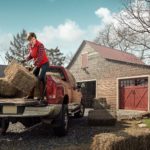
<point x="114" y="54"/>
<point x="109" y="53"/>
<point x="2" y="68"/>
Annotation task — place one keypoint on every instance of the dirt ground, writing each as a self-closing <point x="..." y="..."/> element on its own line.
<point x="80" y="136"/>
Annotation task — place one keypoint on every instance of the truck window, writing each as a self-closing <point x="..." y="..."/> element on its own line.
<point x="57" y="72"/>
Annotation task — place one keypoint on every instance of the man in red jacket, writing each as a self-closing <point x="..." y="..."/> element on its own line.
<point x="41" y="62"/>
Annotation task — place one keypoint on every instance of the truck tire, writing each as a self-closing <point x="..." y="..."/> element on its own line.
<point x="80" y="113"/>
<point x="4" y="124"/>
<point x="62" y="122"/>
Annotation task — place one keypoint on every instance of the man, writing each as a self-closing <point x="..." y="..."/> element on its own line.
<point x="41" y="62"/>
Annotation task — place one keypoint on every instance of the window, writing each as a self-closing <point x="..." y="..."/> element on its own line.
<point x="57" y="72"/>
<point x="84" y="58"/>
<point x="134" y="82"/>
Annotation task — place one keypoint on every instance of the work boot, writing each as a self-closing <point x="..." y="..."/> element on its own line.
<point x="44" y="101"/>
<point x="29" y="97"/>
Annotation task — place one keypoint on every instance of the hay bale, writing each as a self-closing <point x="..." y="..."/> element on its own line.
<point x="104" y="117"/>
<point x="100" y="103"/>
<point x="122" y="140"/>
<point x="6" y="89"/>
<point x="19" y="77"/>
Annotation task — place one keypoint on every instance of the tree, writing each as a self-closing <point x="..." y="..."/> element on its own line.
<point x="111" y="37"/>
<point x="136" y="18"/>
<point x="131" y="30"/>
<point x="114" y="37"/>
<point x="55" y="56"/>
<point x="69" y="57"/>
<point x="18" y="47"/>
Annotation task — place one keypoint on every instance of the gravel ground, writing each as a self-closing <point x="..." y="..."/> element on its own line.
<point x="41" y="137"/>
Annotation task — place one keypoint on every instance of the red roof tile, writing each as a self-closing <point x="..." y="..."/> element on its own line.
<point x="114" y="54"/>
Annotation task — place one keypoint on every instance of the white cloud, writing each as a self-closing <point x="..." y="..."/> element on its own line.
<point x="105" y="15"/>
<point x="70" y="31"/>
<point x="5" y="41"/>
<point x="65" y="36"/>
<point x="4" y="45"/>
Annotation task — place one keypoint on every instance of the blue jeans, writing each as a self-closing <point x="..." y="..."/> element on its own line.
<point x="41" y="72"/>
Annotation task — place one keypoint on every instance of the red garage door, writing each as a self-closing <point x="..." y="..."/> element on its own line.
<point x="133" y="94"/>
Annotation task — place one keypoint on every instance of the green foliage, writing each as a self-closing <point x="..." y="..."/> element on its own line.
<point x="147" y="122"/>
<point x="18" y="47"/>
<point x="55" y="56"/>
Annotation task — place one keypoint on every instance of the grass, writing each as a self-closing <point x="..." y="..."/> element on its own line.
<point x="147" y="122"/>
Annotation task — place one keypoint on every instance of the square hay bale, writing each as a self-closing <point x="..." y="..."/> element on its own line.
<point x="100" y="103"/>
<point x="20" y="77"/>
<point x="132" y="139"/>
<point x="6" y="89"/>
<point x="103" y="117"/>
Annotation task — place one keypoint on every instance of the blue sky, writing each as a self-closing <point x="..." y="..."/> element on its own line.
<point x="62" y="23"/>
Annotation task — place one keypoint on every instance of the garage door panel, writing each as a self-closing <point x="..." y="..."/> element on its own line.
<point x="129" y="98"/>
<point x="141" y="98"/>
<point x="134" y="96"/>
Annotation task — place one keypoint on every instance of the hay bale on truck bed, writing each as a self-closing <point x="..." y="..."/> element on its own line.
<point x="123" y="140"/>
<point x="103" y="117"/>
<point x="20" y="77"/>
<point x="6" y="89"/>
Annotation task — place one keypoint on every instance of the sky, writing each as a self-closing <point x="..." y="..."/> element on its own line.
<point x="62" y="23"/>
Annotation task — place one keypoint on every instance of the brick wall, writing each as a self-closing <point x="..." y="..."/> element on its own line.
<point x="112" y="70"/>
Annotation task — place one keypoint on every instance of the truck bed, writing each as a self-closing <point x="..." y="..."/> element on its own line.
<point x="18" y="101"/>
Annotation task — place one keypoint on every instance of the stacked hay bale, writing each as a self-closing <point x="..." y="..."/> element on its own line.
<point x="6" y="89"/>
<point x="17" y="79"/>
<point x="20" y="78"/>
<point x="102" y="117"/>
<point x="124" y="140"/>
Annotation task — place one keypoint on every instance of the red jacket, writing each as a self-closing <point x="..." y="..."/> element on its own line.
<point x="38" y="53"/>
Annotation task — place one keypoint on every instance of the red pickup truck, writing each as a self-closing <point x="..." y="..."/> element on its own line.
<point x="63" y="98"/>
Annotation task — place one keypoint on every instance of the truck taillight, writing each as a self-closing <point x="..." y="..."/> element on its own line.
<point x="53" y="92"/>
<point x="51" y="89"/>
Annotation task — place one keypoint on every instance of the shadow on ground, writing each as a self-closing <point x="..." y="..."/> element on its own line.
<point x="79" y="137"/>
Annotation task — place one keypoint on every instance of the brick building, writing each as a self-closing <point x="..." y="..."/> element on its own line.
<point x="120" y="77"/>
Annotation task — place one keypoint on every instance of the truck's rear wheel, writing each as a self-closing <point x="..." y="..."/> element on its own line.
<point x="4" y="124"/>
<point x="62" y="121"/>
<point x="80" y="113"/>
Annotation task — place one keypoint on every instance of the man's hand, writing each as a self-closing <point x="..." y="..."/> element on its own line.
<point x="36" y="63"/>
